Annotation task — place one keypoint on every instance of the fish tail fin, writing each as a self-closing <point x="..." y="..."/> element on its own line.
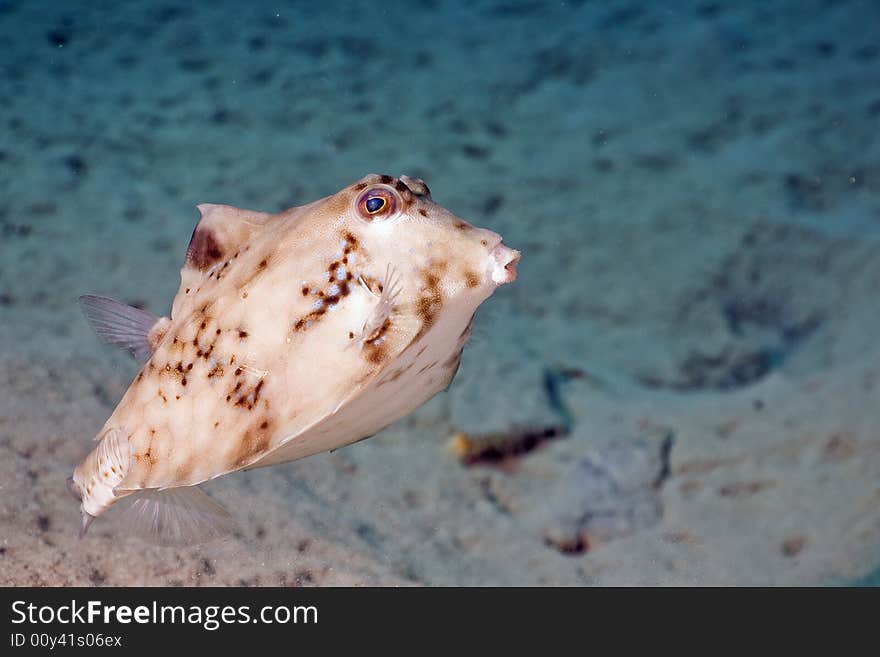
<point x="176" y="516"/>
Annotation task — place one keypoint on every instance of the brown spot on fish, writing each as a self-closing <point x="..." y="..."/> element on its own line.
<point x="217" y="370"/>
<point x="242" y="334"/>
<point x="462" y="225"/>
<point x="386" y="180"/>
<point x="305" y="322"/>
<point x="351" y="239"/>
<point x="360" y="186"/>
<point x="430" y="301"/>
<point x="254" y="441"/>
<point x="305" y="291"/>
<point x="401" y="187"/>
<point x="376" y="353"/>
<point x="423" y="212"/>
<point x="427" y="308"/>
<point x="471" y="279"/>
<point x="203" y="250"/>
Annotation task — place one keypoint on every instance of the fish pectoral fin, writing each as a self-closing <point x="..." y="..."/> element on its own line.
<point x="176" y="516"/>
<point x="121" y="325"/>
<point x="374" y="324"/>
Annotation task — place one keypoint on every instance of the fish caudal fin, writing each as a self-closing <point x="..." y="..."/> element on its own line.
<point x="119" y="324"/>
<point x="176" y="517"/>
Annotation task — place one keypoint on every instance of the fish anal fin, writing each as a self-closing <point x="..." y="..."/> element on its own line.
<point x="176" y="516"/>
<point x="135" y="330"/>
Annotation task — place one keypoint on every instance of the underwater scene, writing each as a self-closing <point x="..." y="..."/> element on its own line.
<point x="667" y="373"/>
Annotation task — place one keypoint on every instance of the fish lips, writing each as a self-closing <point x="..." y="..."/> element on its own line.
<point x="503" y="261"/>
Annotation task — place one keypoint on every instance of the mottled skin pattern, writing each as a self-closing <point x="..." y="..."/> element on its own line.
<point x="264" y="360"/>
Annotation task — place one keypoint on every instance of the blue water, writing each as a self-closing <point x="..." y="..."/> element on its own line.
<point x="693" y="187"/>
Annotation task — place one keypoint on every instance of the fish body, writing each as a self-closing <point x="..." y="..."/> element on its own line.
<point x="290" y="334"/>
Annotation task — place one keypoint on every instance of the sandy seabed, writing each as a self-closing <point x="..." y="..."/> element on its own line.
<point x="695" y="189"/>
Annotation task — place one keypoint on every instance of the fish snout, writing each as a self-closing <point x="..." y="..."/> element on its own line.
<point x="503" y="261"/>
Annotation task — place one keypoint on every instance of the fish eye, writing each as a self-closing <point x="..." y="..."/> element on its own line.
<point x="376" y="203"/>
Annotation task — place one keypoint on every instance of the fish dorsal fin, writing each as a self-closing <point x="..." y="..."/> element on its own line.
<point x="135" y="330"/>
<point x="217" y="238"/>
<point x="220" y="232"/>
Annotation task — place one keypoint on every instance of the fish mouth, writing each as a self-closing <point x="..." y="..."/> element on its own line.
<point x="504" y="262"/>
